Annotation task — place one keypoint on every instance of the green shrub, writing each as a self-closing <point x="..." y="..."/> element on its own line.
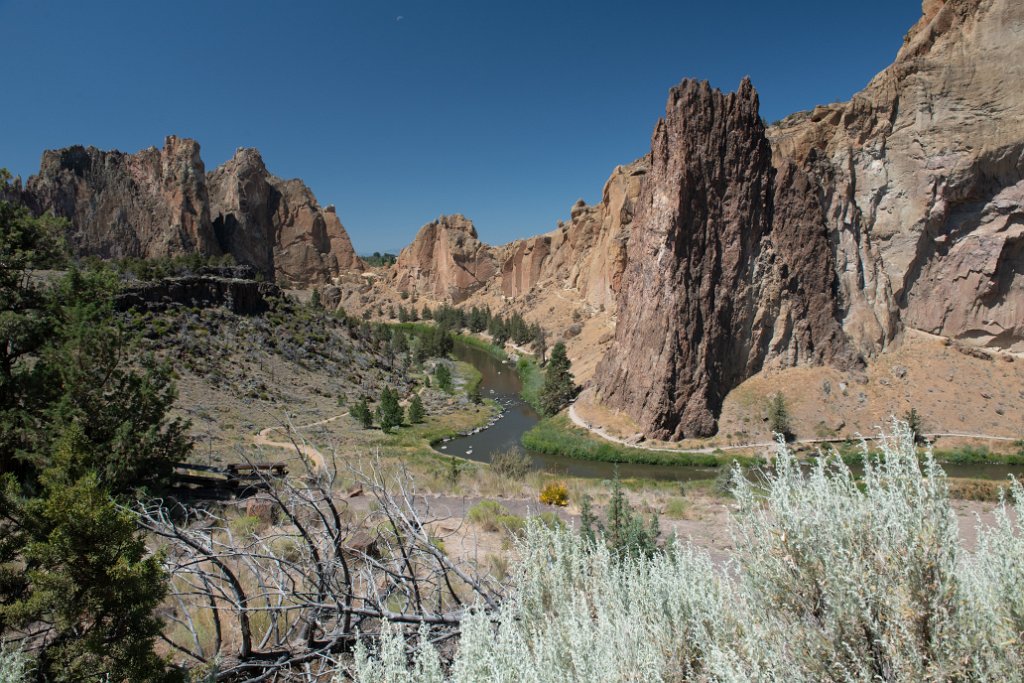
<point x="493" y="516"/>
<point x="549" y="519"/>
<point x="675" y="508"/>
<point x="513" y="463"/>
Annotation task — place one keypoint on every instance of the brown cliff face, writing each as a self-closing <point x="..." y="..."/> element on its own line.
<point x="446" y="261"/>
<point x="150" y="204"/>
<point x="902" y="207"/>
<point x="586" y="255"/>
<point x="921" y="177"/>
<point x="158" y="203"/>
<point x="277" y="225"/>
<point x="684" y="330"/>
<point x="716" y="283"/>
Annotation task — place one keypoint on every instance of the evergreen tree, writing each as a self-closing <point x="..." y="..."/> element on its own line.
<point x="540" y="342"/>
<point x="778" y="416"/>
<point x="314" y="299"/>
<point x="361" y="412"/>
<point x="913" y="420"/>
<point x="623" y="531"/>
<point x="389" y="411"/>
<point x="78" y="430"/>
<point x="498" y="330"/>
<point x="559" y="384"/>
<point x="416" y="413"/>
<point x="444" y="377"/>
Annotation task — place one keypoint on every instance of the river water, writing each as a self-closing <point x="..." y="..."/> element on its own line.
<point x="501" y="383"/>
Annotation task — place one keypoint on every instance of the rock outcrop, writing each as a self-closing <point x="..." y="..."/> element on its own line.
<point x="161" y="202"/>
<point x="446" y="261"/>
<point x="150" y="204"/>
<point x="587" y="254"/>
<point x="920" y="178"/>
<point x="277" y="224"/>
<point x="234" y="288"/>
<point x="710" y="289"/>
<point x="902" y="207"/>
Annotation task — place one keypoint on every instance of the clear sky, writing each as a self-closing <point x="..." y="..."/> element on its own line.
<point x="397" y="111"/>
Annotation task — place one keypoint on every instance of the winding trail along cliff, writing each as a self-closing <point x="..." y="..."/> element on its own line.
<point x="161" y="202"/>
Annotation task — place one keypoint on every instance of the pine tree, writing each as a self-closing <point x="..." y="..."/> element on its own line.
<point x="778" y="416"/>
<point x="444" y="377"/>
<point x="389" y="411"/>
<point x="559" y="384"/>
<point x="80" y="432"/>
<point x="361" y="412"/>
<point x="314" y="299"/>
<point x="415" y="411"/>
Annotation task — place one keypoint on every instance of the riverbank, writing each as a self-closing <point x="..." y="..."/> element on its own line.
<point x="559" y="436"/>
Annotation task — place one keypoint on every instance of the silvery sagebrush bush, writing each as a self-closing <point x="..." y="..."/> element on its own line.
<point x="833" y="578"/>
<point x="14" y="664"/>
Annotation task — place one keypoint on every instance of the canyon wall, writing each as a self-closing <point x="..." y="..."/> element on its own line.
<point x="920" y="178"/>
<point x="902" y="207"/>
<point x="713" y="284"/>
<point x="446" y="261"/>
<point x="161" y="202"/>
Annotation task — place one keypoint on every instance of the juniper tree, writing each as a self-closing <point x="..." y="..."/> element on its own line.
<point x="444" y="377"/>
<point x="778" y="416"/>
<point x="361" y="412"/>
<point x="389" y="411"/>
<point x="415" y="411"/>
<point x="559" y="383"/>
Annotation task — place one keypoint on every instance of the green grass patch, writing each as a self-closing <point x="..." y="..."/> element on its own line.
<point x="483" y="345"/>
<point x="469" y="376"/>
<point x="532" y="377"/>
<point x="558" y="436"/>
<point x="493" y="516"/>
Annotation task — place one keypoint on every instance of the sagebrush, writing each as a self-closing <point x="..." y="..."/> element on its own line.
<point x="834" y="578"/>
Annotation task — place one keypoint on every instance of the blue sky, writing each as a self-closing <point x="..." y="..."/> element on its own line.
<point x="397" y="111"/>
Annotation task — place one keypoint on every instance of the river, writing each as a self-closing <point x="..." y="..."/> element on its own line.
<point x="501" y="383"/>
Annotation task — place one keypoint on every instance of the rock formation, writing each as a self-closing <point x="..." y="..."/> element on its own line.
<point x="587" y="254"/>
<point x="902" y="207"/>
<point x="150" y="204"/>
<point x="707" y="293"/>
<point x="446" y="261"/>
<point x="920" y="181"/>
<point x="159" y="203"/>
<point x="234" y="288"/>
<point x="277" y="225"/>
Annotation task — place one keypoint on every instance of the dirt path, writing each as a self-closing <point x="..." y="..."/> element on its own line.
<point x="306" y="450"/>
<point x="580" y="422"/>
